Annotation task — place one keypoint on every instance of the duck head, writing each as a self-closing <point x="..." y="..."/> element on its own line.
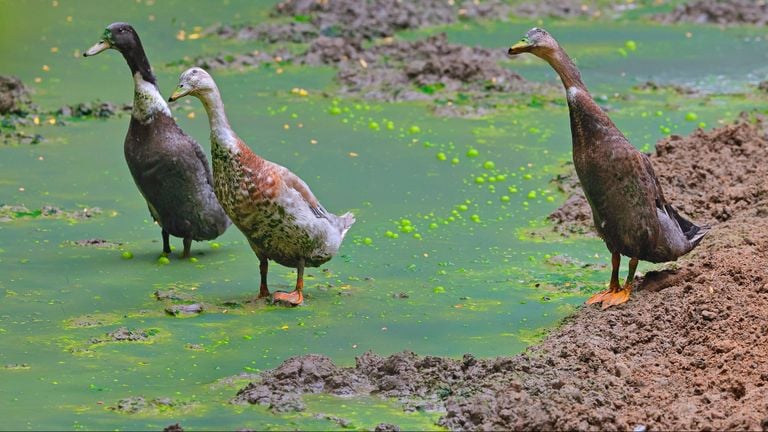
<point x="193" y="81"/>
<point x="120" y="36"/>
<point x="537" y="42"/>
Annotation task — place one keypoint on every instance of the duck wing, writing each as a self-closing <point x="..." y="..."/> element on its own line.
<point x="296" y="183"/>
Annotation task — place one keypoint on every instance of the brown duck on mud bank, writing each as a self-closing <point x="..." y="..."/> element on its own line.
<point x="629" y="210"/>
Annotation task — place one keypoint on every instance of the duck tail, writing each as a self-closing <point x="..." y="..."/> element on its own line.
<point x="694" y="233"/>
<point x="345" y="221"/>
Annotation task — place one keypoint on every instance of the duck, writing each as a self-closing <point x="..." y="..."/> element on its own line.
<point x="168" y="166"/>
<point x="629" y="210"/>
<point x="275" y="209"/>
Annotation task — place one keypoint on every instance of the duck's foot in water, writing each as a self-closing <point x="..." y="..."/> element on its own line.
<point x="293" y="298"/>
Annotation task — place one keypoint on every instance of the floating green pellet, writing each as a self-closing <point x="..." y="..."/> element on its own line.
<point x="527" y="176"/>
<point x="462" y="207"/>
<point x="126" y="255"/>
<point x="532" y="195"/>
<point x="414" y="129"/>
<point x="471" y="153"/>
<point x="691" y="116"/>
<point x="512" y="189"/>
<point x="368" y="241"/>
<point x="702" y="125"/>
<point x="373" y="126"/>
<point x="441" y="156"/>
<point x="475" y="218"/>
<point x="390" y="125"/>
<point x="405" y="221"/>
<point x="390" y="234"/>
<point x="551" y="199"/>
<point x="163" y="260"/>
<point x="479" y="180"/>
<point x="630" y="45"/>
<point x="334" y="110"/>
<point x="439" y="290"/>
<point x="215" y="245"/>
<point x="406" y="228"/>
<point x="501" y="177"/>
<point x="492" y="179"/>
<point x="659" y="113"/>
<point x="504" y="198"/>
<point x="455" y="161"/>
<point x="433" y="225"/>
<point x="193" y="260"/>
<point x="417" y="236"/>
<point x="489" y="165"/>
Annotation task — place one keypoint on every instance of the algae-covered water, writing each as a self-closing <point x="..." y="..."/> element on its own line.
<point x="446" y="256"/>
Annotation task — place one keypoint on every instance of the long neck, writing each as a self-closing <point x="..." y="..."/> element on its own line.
<point x="221" y="132"/>
<point x="137" y="61"/>
<point x="147" y="100"/>
<point x="566" y="69"/>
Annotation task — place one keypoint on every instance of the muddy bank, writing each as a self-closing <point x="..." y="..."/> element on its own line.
<point x="688" y="351"/>
<point x="429" y="69"/>
<point x="723" y="12"/>
<point x="9" y="213"/>
<point x="358" y="20"/>
<point x="570" y="9"/>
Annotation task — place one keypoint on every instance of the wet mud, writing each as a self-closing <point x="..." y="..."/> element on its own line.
<point x="462" y="80"/>
<point x="139" y="404"/>
<point x="686" y="352"/>
<point x="722" y="12"/>
<point x="9" y="213"/>
<point x="14" y="95"/>
<point x="570" y="9"/>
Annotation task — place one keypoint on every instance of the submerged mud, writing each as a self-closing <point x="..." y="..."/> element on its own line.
<point x="723" y="12"/>
<point x="688" y="351"/>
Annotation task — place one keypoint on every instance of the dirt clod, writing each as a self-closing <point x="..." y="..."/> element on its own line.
<point x="14" y="95"/>
<point x="723" y="12"/>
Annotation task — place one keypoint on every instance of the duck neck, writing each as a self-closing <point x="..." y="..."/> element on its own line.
<point x="221" y="132"/>
<point x="566" y="69"/>
<point x="147" y="100"/>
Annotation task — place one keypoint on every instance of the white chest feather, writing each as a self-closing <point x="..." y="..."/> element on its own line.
<point x="147" y="100"/>
<point x="572" y="93"/>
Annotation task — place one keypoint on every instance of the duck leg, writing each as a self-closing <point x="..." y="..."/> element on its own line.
<point x="294" y="297"/>
<point x="614" y="286"/>
<point x="166" y="243"/>
<point x="187" y="247"/>
<point x="622" y="295"/>
<point x="263" y="268"/>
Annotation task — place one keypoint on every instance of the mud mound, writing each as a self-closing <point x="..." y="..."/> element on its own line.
<point x="709" y="176"/>
<point x="723" y="12"/>
<point x="358" y="20"/>
<point x="425" y="69"/>
<point x="568" y="9"/>
<point x="14" y="95"/>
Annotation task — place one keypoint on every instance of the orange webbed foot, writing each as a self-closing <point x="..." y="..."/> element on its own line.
<point x="599" y="297"/>
<point x="617" y="298"/>
<point x="294" y="298"/>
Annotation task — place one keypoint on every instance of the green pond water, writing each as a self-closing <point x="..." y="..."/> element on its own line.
<point x="458" y="236"/>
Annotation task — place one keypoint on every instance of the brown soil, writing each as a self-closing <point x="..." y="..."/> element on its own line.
<point x="686" y="352"/>
<point x="569" y="9"/>
<point x="14" y="95"/>
<point x="723" y="12"/>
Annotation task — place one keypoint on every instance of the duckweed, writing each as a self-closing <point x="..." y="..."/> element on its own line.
<point x="439" y="290"/>
<point x="441" y="156"/>
<point x="479" y="180"/>
<point x="489" y="165"/>
<point x="472" y="153"/>
<point x="368" y="241"/>
<point x="215" y="245"/>
<point x="462" y="207"/>
<point x="691" y="117"/>
<point x="334" y="110"/>
<point x="630" y="45"/>
<point x="390" y="125"/>
<point x="417" y="236"/>
<point x="373" y="126"/>
<point x="433" y="225"/>
<point x="475" y="218"/>
<point x="455" y="161"/>
<point x="504" y="198"/>
<point x="414" y="129"/>
<point x="126" y="255"/>
<point x="163" y="260"/>
<point x="532" y="195"/>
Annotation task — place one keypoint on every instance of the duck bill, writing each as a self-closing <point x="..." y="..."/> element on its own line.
<point x="178" y="93"/>
<point x="100" y="46"/>
<point x="521" y="47"/>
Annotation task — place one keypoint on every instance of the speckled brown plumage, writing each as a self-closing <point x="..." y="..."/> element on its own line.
<point x="272" y="207"/>
<point x="628" y="206"/>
